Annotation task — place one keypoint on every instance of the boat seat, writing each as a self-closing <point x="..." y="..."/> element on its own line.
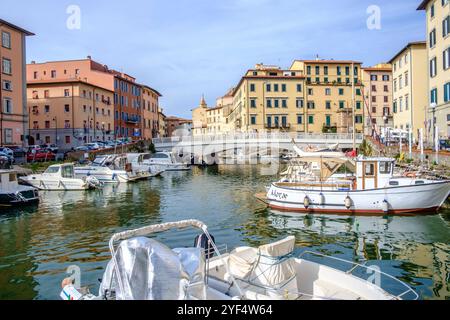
<point x="329" y="290"/>
<point x="270" y="267"/>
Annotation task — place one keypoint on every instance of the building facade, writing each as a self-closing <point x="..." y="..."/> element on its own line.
<point x="377" y="92"/>
<point x="69" y="113"/>
<point x="409" y="67"/>
<point x="150" y="105"/>
<point x="162" y="125"/>
<point x="313" y="96"/>
<point x="129" y="112"/>
<point x="13" y="90"/>
<point x="178" y="126"/>
<point x="199" y="119"/>
<point x="438" y="59"/>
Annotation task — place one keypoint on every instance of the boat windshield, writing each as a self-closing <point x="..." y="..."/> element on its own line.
<point x="160" y="156"/>
<point x="67" y="172"/>
<point x="52" y="170"/>
<point x="98" y="161"/>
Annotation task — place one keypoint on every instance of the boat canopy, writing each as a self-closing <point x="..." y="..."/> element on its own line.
<point x="149" y="270"/>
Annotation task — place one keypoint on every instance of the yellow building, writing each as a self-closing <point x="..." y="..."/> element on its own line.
<point x="313" y="96"/>
<point x="199" y="119"/>
<point x="409" y="90"/>
<point x="438" y="58"/>
<point x="377" y="92"/>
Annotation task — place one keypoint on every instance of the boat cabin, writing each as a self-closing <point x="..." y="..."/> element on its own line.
<point x="373" y="173"/>
<point x="8" y="180"/>
<point x="63" y="170"/>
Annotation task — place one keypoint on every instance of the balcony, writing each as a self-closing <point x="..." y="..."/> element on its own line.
<point x="277" y="126"/>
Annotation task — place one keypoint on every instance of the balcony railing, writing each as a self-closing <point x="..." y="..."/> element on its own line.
<point x="277" y="126"/>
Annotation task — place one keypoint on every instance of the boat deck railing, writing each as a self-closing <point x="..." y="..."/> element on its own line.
<point x="369" y="270"/>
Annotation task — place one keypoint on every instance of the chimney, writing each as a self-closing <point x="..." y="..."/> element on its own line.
<point x="317" y="57"/>
<point x="33" y="62"/>
<point x="89" y="57"/>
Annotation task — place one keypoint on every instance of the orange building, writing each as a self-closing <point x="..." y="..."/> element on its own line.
<point x="150" y="100"/>
<point x="128" y="94"/>
<point x="13" y="93"/>
<point x="174" y="123"/>
<point x="69" y="113"/>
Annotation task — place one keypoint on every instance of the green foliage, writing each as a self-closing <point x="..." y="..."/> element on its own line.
<point x="152" y="148"/>
<point x="366" y="149"/>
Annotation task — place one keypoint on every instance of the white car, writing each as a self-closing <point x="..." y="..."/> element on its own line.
<point x="7" y="151"/>
<point x="93" y="146"/>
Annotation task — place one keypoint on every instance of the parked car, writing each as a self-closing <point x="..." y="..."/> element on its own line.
<point x="7" y="157"/>
<point x="93" y="146"/>
<point x="19" y="152"/>
<point x="82" y="148"/>
<point x="51" y="147"/>
<point x="7" y="151"/>
<point x="4" y="162"/>
<point x="444" y="144"/>
<point x="40" y="155"/>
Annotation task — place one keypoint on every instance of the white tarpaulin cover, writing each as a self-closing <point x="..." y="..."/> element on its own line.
<point x="150" y="270"/>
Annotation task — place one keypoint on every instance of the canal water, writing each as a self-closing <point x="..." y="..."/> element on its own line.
<point x="37" y="245"/>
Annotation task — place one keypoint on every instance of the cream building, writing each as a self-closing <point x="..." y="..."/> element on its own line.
<point x="312" y="96"/>
<point x="199" y="119"/>
<point x="377" y="92"/>
<point x="438" y="58"/>
<point x="409" y="90"/>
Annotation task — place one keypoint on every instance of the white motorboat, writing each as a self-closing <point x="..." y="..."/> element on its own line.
<point x="112" y="169"/>
<point x="12" y="194"/>
<point x="372" y="190"/>
<point x="140" y="162"/>
<point x="60" y="177"/>
<point x="142" y="268"/>
<point x="166" y="161"/>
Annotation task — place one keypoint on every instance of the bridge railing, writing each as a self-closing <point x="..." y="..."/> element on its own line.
<point x="309" y="137"/>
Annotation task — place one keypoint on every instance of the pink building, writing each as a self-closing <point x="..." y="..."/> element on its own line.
<point x="13" y="93"/>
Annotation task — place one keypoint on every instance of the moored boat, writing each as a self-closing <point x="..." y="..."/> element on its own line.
<point x="166" y="161"/>
<point x="60" y="177"/>
<point x="12" y="194"/>
<point x="373" y="189"/>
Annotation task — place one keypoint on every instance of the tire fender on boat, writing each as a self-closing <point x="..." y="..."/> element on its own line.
<point x="348" y="202"/>
<point x="306" y="202"/>
<point x="385" y="206"/>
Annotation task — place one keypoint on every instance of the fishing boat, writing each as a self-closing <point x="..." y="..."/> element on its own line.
<point x="60" y="177"/>
<point x="371" y="189"/>
<point x="12" y="194"/>
<point x="141" y="268"/>
<point x="166" y="161"/>
<point x="112" y="169"/>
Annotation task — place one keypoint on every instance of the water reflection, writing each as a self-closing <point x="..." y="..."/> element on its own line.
<point x="38" y="244"/>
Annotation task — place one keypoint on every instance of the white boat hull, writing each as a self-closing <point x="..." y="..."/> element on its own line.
<point x="62" y="184"/>
<point x="400" y="200"/>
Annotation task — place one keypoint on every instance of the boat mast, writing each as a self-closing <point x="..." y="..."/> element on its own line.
<point x="353" y="107"/>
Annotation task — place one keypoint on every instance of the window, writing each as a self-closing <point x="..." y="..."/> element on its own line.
<point x="66" y="108"/>
<point x="338" y="70"/>
<point x="358" y="105"/>
<point x="432" y="11"/>
<point x="395" y="85"/>
<point x="432" y="38"/>
<point x="407" y="102"/>
<point x="406" y="58"/>
<point x="7" y="105"/>
<point x="66" y="124"/>
<point x="374" y="88"/>
<point x="325" y="70"/>
<point x="276" y="103"/>
<point x="299" y="88"/>
<point x="395" y="107"/>
<point x="53" y="74"/>
<point x="283" y="87"/>
<point x="253" y="119"/>
<point x="386" y="77"/>
<point x="252" y="87"/>
<point x="446" y="26"/>
<point x="400" y="82"/>
<point x="7" y="85"/>
<point x="269" y="103"/>
<point x="327" y="91"/>
<point x="6" y="66"/>
<point x="311" y="105"/>
<point x="400" y="103"/>
<point x="446" y="58"/>
<point x="347" y="70"/>
<point x="310" y="91"/>
<point x="433" y="96"/>
<point x="47" y="124"/>
<point x="268" y="87"/>
<point x="433" y="69"/>
<point x="8" y="136"/>
<point x="328" y="105"/>
<point x="299" y="103"/>
<point x="341" y="104"/>
<point x="447" y="92"/>
<point x="284" y="121"/>
<point x="269" y="121"/>
<point x="385" y="167"/>
<point x="275" y="87"/>
<point x="358" y="119"/>
<point x="386" y="89"/>
<point x="308" y="70"/>
<point x="66" y="93"/>
<point x="6" y="39"/>
<point x="386" y="99"/>
<point x="299" y="119"/>
<point x="47" y="109"/>
<point x="67" y="142"/>
<point x="252" y="103"/>
<point x="317" y="70"/>
<point x="311" y="119"/>
<point x="284" y="103"/>
<point x="374" y="110"/>
<point x="374" y="77"/>
<point x="406" y="78"/>
<point x="341" y="91"/>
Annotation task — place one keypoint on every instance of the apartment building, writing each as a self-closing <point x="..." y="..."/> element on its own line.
<point x="129" y="118"/>
<point x="377" y="90"/>
<point x="409" y="69"/>
<point x="150" y="105"/>
<point x="13" y="90"/>
<point x="69" y="113"/>
<point x="312" y="96"/>
<point x="162" y="125"/>
<point x="438" y="58"/>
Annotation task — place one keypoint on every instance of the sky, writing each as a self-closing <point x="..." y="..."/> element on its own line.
<point x="187" y="48"/>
